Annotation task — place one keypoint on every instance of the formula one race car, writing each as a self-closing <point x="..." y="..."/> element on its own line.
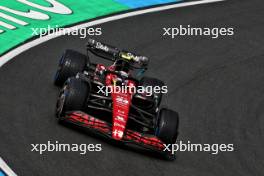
<point x="116" y="101"/>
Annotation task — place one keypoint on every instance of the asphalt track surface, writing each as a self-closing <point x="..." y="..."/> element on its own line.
<point x="216" y="86"/>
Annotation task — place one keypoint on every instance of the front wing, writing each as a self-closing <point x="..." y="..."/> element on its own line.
<point x="104" y="128"/>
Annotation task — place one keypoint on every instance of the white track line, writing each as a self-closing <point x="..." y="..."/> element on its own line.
<point x="6" y="169"/>
<point x="8" y="56"/>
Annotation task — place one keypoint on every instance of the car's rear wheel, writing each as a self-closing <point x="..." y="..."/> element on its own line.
<point x="70" y="64"/>
<point x="73" y="96"/>
<point x="167" y="126"/>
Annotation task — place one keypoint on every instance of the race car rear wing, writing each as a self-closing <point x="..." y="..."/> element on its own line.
<point x="103" y="50"/>
<point x="112" y="53"/>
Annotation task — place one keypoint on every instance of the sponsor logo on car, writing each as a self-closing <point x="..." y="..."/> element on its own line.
<point x="118" y="133"/>
<point x="119" y="118"/>
<point x="101" y="46"/>
<point x="119" y="125"/>
<point x="121" y="100"/>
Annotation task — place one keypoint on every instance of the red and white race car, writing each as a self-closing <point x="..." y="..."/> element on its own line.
<point x="116" y="101"/>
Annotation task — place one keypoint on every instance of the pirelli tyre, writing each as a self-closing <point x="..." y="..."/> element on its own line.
<point x="73" y="96"/>
<point x="167" y="126"/>
<point x="70" y="64"/>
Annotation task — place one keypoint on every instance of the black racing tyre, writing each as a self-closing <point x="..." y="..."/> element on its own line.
<point x="73" y="96"/>
<point x="167" y="126"/>
<point x="70" y="64"/>
<point x="148" y="81"/>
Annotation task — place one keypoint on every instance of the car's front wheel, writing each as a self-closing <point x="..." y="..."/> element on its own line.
<point x="70" y="64"/>
<point x="73" y="96"/>
<point x="167" y="126"/>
